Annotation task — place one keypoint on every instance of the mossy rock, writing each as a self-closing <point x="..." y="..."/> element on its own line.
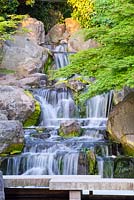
<point x="91" y="159"/>
<point x="33" y="119"/>
<point x="13" y="149"/>
<point x="124" y="167"/>
<point x="6" y="71"/>
<point x="69" y="135"/>
<point x="70" y="129"/>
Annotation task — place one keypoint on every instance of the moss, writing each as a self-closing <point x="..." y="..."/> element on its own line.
<point x="91" y="159"/>
<point x="69" y="135"/>
<point x="33" y="119"/>
<point x="128" y="145"/>
<point x="13" y="149"/>
<point x="128" y="150"/>
<point x="48" y="64"/>
<point x="6" y="71"/>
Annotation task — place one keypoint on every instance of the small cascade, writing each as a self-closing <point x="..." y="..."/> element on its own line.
<point x="56" y="105"/>
<point x="99" y="106"/>
<point x="61" y="56"/>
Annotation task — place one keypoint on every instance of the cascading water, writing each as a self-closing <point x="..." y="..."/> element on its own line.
<point x="47" y="152"/>
<point x="61" y="56"/>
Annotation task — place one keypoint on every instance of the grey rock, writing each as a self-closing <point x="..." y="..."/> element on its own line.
<point x="70" y="129"/>
<point x="11" y="136"/>
<point x="121" y="123"/>
<point x="16" y="102"/>
<point x="23" y="56"/>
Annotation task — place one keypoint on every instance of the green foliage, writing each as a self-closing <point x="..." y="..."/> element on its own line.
<point x="112" y="63"/>
<point x="15" y="148"/>
<point x="6" y="71"/>
<point x="8" y="25"/>
<point x="82" y="11"/>
<point x="8" y="7"/>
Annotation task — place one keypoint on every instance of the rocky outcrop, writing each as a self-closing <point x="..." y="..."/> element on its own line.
<point x="72" y="34"/>
<point x="121" y="124"/>
<point x="11" y="137"/>
<point x="16" y="102"/>
<point x="69" y="129"/>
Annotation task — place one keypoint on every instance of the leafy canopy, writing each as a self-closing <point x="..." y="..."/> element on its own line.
<point x="112" y="63"/>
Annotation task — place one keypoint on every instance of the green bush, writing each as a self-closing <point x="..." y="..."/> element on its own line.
<point x="8" y="7"/>
<point x="112" y="63"/>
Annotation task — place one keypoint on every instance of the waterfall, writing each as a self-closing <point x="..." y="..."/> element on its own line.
<point x="47" y="153"/>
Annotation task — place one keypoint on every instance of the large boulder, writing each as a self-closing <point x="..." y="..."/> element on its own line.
<point x="118" y="96"/>
<point x="55" y="34"/>
<point x="11" y="137"/>
<point x="23" y="56"/>
<point x="70" y="129"/>
<point x="120" y="124"/>
<point x="35" y="30"/>
<point x="16" y="102"/>
<point x="78" y="42"/>
<point x="72" y="26"/>
<point x="23" y="53"/>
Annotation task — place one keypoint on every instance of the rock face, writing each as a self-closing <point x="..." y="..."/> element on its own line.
<point x="121" y="123"/>
<point x="11" y="137"/>
<point x="18" y="105"/>
<point x="70" y="129"/>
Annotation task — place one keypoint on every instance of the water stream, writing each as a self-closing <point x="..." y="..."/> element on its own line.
<point x="47" y="153"/>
